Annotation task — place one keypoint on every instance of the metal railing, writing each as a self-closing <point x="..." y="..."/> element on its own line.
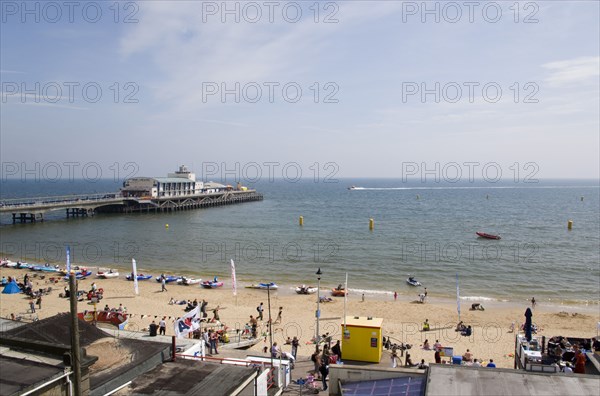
<point x="58" y="200"/>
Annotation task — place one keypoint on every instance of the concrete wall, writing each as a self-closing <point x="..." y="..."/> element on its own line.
<point x="361" y="373"/>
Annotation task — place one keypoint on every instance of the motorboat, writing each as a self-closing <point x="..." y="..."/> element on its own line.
<point x="169" y="278"/>
<point x="107" y="274"/>
<point x="339" y="291"/>
<point x="190" y="281"/>
<point x="487" y="236"/>
<point x="264" y="286"/>
<point x="140" y="277"/>
<point x="306" y="289"/>
<point x="412" y="281"/>
<point x="211" y="284"/>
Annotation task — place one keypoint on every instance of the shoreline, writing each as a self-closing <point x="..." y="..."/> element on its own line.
<point x="354" y="293"/>
<point x="403" y="319"/>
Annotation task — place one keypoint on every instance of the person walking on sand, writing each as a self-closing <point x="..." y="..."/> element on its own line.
<point x="162" y="326"/>
<point x="32" y="306"/>
<point x="39" y="302"/>
<point x="278" y="320"/>
<point x="260" y="310"/>
<point x="395" y="296"/>
<point x="295" y="345"/>
<point x="254" y="324"/>
<point x="532" y="302"/>
<point x="163" y="283"/>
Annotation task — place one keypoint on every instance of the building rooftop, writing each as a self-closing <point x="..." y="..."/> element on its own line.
<point x="56" y="330"/>
<point x="448" y="380"/>
<point x="17" y="374"/>
<point x="363" y="321"/>
<point x="188" y="377"/>
<point x="173" y="180"/>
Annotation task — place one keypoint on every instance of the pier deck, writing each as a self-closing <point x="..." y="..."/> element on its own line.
<point x="33" y="209"/>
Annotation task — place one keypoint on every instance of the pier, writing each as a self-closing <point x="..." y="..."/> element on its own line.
<point x="33" y="209"/>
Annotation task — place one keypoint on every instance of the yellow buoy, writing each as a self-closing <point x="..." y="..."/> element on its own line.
<point x="166" y="226"/>
<point x="301" y="221"/>
<point x="371" y="224"/>
<point x="570" y="224"/>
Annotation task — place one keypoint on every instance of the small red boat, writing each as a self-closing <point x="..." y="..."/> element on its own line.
<point x="487" y="236"/>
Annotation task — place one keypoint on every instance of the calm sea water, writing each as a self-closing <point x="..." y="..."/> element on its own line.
<point x="427" y="230"/>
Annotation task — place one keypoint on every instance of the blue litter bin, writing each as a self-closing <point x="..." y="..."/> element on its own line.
<point x="457" y="360"/>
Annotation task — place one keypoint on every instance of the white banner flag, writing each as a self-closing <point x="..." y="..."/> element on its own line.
<point x="134" y="275"/>
<point x="68" y="261"/>
<point x="233" y="281"/>
<point x="188" y="322"/>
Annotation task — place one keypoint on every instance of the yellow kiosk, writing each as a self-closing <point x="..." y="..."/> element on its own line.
<point x="362" y="338"/>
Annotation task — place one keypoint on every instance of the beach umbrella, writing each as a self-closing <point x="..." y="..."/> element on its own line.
<point x="11" y="288"/>
<point x="528" y="315"/>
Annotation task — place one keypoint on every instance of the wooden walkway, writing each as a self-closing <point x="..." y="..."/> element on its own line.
<point x="33" y="209"/>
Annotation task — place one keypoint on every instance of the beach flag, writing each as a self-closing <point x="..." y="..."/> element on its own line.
<point x="457" y="297"/>
<point x="134" y="274"/>
<point x="233" y="281"/>
<point x="68" y="260"/>
<point x="188" y="322"/>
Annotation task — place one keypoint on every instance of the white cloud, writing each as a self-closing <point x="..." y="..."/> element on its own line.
<point x="573" y="71"/>
<point x="190" y="52"/>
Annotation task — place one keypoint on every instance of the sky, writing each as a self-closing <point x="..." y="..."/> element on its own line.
<point x="310" y="88"/>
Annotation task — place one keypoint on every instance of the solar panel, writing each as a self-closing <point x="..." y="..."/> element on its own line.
<point x="403" y="386"/>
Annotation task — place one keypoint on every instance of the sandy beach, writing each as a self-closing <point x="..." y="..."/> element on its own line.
<point x="403" y="318"/>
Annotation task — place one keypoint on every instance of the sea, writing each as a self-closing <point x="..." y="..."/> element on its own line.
<point x="426" y="230"/>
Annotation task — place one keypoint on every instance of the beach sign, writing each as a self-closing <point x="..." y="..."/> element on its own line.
<point x="447" y="352"/>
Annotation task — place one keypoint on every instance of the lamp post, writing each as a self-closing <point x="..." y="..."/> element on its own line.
<point x="318" y="313"/>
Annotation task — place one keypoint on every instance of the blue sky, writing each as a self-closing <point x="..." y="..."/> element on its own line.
<point x="368" y="59"/>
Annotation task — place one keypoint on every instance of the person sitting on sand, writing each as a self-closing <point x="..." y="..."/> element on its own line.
<point x="477" y="307"/>
<point x="468" y="356"/>
<point x="467" y="332"/>
<point x="460" y="326"/>
<point x="171" y="301"/>
<point x="408" y="362"/>
<point x="106" y="308"/>
<point x="426" y="345"/>
<point x="426" y="325"/>
<point x="422" y="365"/>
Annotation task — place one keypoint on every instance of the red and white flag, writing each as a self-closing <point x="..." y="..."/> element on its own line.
<point x="188" y="322"/>
<point x="233" y="281"/>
